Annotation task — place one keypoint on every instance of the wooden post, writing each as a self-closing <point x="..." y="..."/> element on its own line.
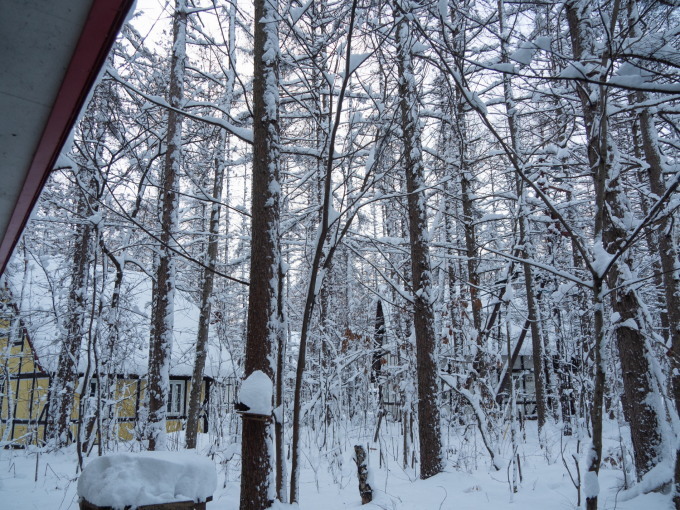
<point x="362" y="469"/>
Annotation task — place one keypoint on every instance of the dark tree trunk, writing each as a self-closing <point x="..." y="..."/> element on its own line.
<point x="594" y="458"/>
<point x="667" y="249"/>
<point x="257" y="473"/>
<point x="471" y="258"/>
<point x="62" y="390"/>
<point x="524" y="242"/>
<point x="279" y="414"/>
<point x="322" y="260"/>
<point x="429" y="432"/>
<point x="162" y="317"/>
<point x="640" y="391"/>
<point x="193" y="417"/>
<point x="378" y="340"/>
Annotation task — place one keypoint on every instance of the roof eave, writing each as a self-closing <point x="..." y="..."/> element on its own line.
<point x="103" y="23"/>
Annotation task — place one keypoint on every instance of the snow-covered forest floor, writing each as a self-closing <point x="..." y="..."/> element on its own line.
<point x="329" y="476"/>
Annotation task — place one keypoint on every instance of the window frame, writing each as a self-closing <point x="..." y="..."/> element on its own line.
<point x="171" y="409"/>
<point x="93" y="388"/>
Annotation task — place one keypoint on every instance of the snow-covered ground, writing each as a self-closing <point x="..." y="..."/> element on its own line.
<point x="329" y="479"/>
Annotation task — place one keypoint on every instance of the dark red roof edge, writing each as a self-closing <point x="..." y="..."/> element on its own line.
<point x="101" y="28"/>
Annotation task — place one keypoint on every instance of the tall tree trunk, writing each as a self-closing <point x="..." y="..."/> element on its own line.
<point x="162" y="317"/>
<point x="62" y="389"/>
<point x="221" y="162"/>
<point x="320" y="265"/>
<point x="279" y="410"/>
<point x="523" y="241"/>
<point x="257" y="451"/>
<point x="642" y="405"/>
<point x="429" y="432"/>
<point x="106" y="374"/>
<point x="594" y="453"/>
<point x="193" y="417"/>
<point x="467" y="194"/>
<point x="667" y="249"/>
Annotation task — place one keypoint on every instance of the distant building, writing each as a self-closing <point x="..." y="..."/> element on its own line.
<point x="524" y="385"/>
<point x="28" y="349"/>
<point x="24" y="392"/>
<point x="392" y="395"/>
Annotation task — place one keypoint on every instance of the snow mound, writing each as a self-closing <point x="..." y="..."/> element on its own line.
<point x="147" y="478"/>
<point x="256" y="393"/>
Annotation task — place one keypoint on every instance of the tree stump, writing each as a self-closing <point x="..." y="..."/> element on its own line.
<point x="362" y="470"/>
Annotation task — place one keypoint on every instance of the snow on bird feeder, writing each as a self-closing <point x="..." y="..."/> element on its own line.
<point x="255" y="397"/>
<point x="154" y="480"/>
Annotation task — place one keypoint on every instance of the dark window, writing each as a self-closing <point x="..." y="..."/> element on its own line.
<point x="176" y="398"/>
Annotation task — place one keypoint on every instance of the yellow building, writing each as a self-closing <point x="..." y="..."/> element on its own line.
<point x="24" y="384"/>
<point x="24" y="392"/>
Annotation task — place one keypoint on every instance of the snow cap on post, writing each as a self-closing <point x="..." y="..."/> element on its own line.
<point x="255" y="396"/>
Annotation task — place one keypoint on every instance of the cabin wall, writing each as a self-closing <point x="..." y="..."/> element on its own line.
<point x="24" y="395"/>
<point x="129" y="395"/>
<point x="23" y="389"/>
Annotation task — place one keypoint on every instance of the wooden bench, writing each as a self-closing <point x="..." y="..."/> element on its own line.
<point x="175" y="505"/>
<point x="181" y="480"/>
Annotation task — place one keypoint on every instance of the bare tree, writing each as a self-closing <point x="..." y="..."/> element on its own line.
<point x="257" y="473"/>
<point x="642" y="406"/>
<point x="429" y="432"/>
<point x="523" y="226"/>
<point x="63" y="384"/>
<point x="162" y="319"/>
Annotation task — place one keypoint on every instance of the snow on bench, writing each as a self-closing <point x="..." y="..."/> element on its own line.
<point x="147" y="480"/>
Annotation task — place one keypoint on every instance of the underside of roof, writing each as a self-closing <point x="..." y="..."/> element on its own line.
<point x="52" y="53"/>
